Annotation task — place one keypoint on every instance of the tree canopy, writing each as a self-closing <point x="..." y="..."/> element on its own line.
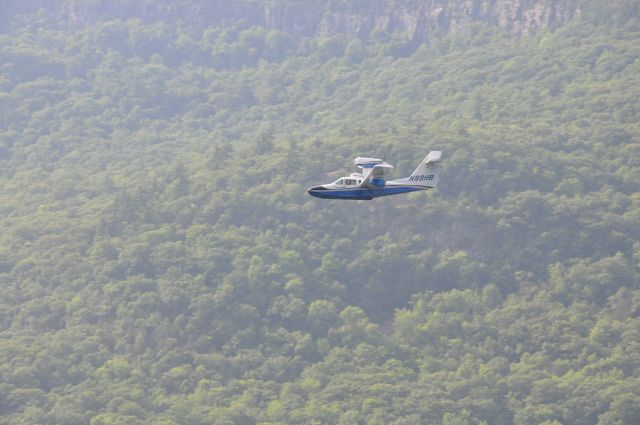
<point x="161" y="263"/>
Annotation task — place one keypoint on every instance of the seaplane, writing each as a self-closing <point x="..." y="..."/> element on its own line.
<point x="370" y="182"/>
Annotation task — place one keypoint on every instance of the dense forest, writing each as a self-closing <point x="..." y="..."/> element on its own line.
<point x="161" y="262"/>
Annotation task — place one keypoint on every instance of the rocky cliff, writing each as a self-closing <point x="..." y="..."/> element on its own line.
<point x="415" y="20"/>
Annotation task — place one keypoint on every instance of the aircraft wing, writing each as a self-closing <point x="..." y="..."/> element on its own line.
<point x="375" y="178"/>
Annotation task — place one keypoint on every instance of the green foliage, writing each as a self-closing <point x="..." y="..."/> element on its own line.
<point x="161" y="263"/>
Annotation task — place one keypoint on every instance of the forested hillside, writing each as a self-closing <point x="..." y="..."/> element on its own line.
<point x="162" y="263"/>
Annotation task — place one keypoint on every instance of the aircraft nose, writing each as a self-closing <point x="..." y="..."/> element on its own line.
<point x="314" y="191"/>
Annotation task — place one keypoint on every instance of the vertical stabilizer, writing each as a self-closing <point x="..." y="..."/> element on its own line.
<point x="428" y="171"/>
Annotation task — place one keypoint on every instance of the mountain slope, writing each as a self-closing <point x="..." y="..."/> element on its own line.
<point x="161" y="263"/>
<point x="413" y="20"/>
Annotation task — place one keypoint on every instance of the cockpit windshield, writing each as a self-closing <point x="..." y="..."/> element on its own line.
<point x="339" y="182"/>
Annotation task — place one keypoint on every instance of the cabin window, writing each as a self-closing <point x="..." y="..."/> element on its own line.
<point x="350" y="182"/>
<point x="339" y="182"/>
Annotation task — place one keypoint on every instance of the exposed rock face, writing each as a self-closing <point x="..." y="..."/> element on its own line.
<point x="415" y="20"/>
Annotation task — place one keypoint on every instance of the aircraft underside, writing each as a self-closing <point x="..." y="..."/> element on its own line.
<point x="364" y="194"/>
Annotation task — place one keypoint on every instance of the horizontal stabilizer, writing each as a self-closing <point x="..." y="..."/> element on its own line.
<point x="433" y="157"/>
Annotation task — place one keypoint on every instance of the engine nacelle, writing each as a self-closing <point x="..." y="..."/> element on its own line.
<point x="364" y="162"/>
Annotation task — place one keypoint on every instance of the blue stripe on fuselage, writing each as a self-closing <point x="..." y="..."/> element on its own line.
<point x="362" y="193"/>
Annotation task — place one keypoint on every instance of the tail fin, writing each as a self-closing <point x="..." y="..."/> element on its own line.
<point x="428" y="171"/>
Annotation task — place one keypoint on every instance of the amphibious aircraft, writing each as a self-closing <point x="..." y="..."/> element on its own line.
<point x="370" y="182"/>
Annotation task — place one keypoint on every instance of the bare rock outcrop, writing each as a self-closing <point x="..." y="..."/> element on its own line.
<point x="415" y="20"/>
